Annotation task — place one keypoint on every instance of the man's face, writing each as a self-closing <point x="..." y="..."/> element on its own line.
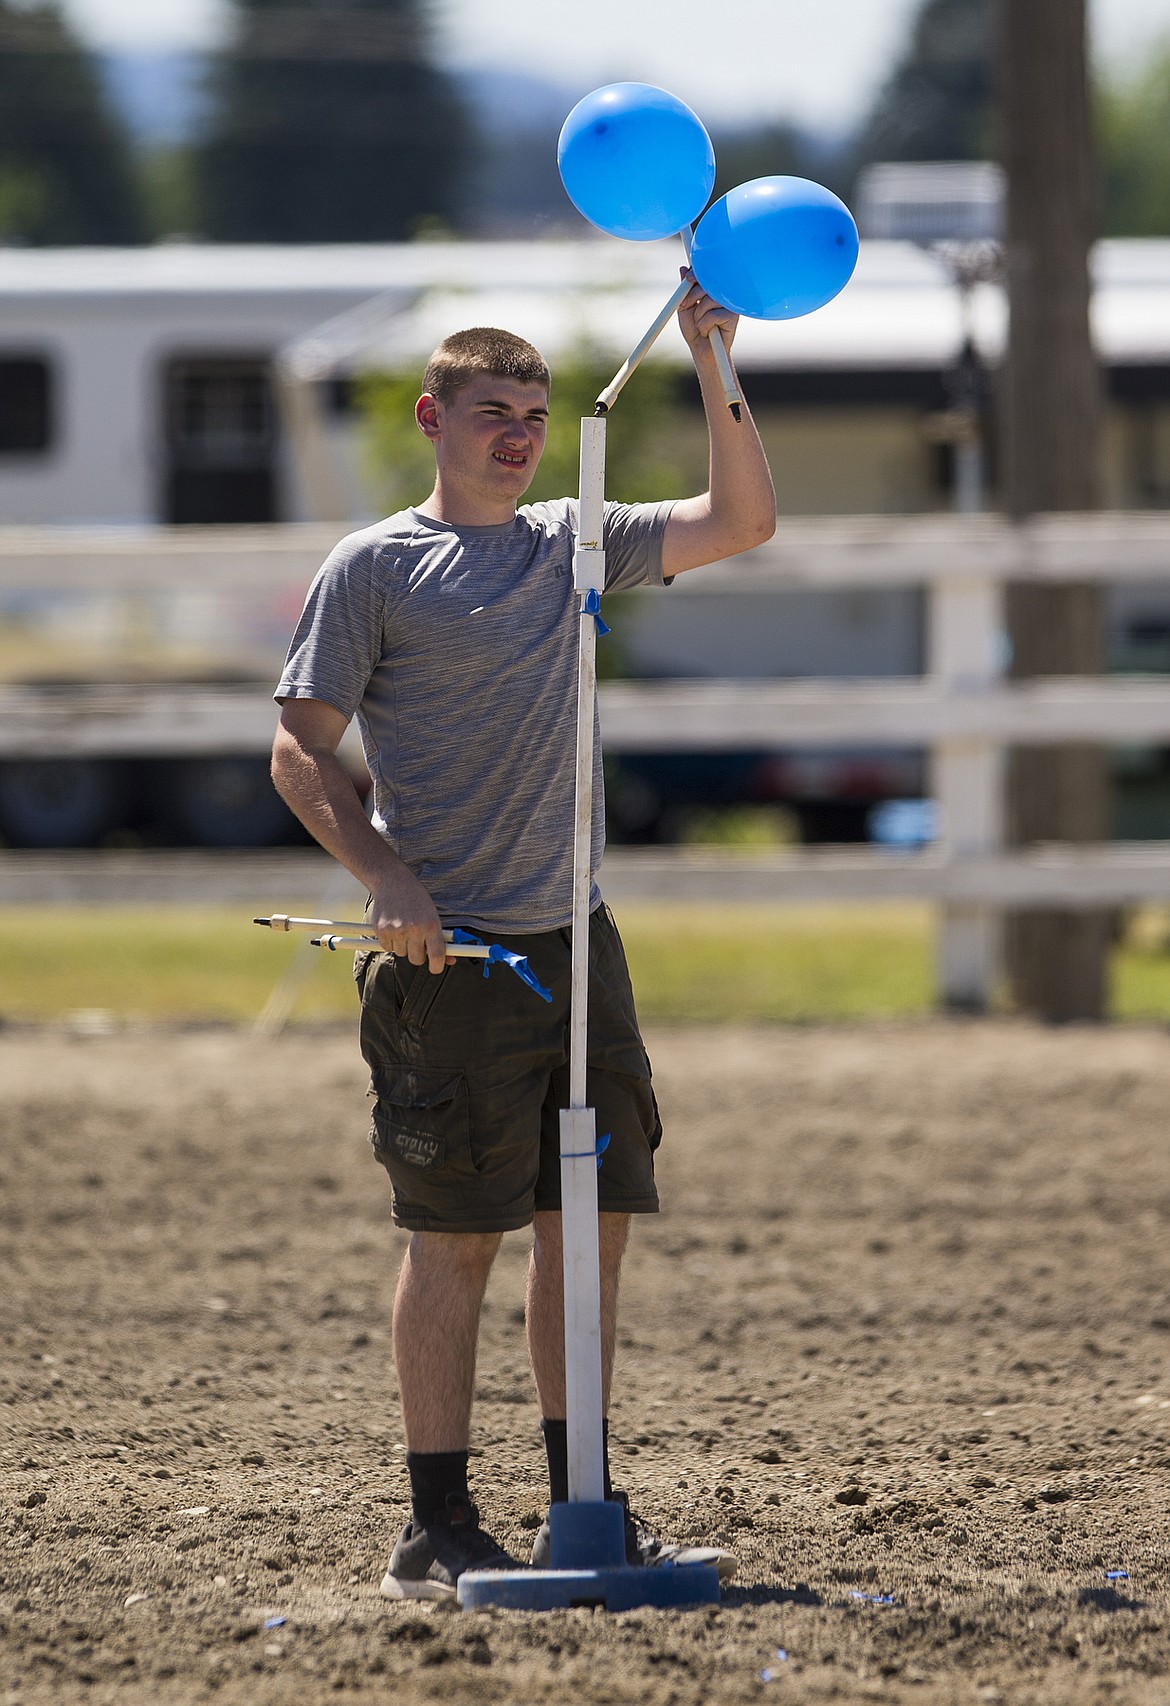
<point x="490" y="436"/>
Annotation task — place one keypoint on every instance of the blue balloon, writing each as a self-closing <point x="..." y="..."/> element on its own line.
<point x="775" y="248"/>
<point x="636" y="161"/>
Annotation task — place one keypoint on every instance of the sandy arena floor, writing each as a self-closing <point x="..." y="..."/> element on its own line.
<point x="900" y="1336"/>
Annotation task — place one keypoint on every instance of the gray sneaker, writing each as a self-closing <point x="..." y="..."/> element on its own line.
<point x="643" y="1549"/>
<point x="429" y="1559"/>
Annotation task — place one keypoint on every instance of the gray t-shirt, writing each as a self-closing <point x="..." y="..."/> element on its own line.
<point x="456" y="648"/>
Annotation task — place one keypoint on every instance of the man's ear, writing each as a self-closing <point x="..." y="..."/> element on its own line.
<point x="426" y="414"/>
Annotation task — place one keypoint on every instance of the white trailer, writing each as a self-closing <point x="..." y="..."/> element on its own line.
<point x="141" y="386"/>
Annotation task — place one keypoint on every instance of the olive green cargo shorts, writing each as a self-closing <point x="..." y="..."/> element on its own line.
<point x="470" y="1072"/>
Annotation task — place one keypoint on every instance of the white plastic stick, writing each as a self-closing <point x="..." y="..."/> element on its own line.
<point x="281" y="921"/>
<point x="339" y="889"/>
<point x="453" y="950"/>
<point x="336" y="935"/>
<point x="582" y="1275"/>
<point x="582" y="854"/>
<point x="579" y="1231"/>
<point x="589" y="554"/>
<point x="730" y="384"/>
<point x="606" y="399"/>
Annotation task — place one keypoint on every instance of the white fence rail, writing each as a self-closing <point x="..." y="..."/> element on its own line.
<point x="272" y="880"/>
<point x="961" y="708"/>
<point x="160" y="721"/>
<point x="811" y="551"/>
<point x="684" y="717"/>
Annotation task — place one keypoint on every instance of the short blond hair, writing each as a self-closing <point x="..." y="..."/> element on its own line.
<point x="482" y="349"/>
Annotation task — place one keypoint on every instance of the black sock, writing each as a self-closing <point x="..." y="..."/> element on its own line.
<point x="434" y="1475"/>
<point x="556" y="1449"/>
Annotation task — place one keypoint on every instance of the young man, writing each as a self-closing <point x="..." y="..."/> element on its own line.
<point x="450" y="630"/>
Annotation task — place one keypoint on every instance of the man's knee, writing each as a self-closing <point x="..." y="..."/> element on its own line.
<point x="465" y="1255"/>
<point x="613" y="1231"/>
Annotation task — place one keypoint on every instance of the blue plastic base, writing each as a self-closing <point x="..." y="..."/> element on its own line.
<point x="619" y="1589"/>
<point x="587" y="1534"/>
<point x="587" y="1543"/>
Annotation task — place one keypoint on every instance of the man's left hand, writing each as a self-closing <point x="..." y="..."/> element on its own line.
<point x="699" y="315"/>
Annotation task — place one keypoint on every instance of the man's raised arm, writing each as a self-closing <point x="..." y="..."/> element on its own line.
<point x="738" y="509"/>
<point x="313" y="783"/>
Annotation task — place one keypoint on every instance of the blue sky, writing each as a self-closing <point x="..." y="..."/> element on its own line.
<point x="815" y="61"/>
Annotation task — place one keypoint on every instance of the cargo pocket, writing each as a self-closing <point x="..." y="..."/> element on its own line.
<point x="420" y="1123"/>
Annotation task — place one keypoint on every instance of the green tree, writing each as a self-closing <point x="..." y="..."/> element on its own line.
<point x="66" y="170"/>
<point x="168" y="173"/>
<point x="1134" y="121"/>
<point x="330" y="124"/>
<point x="772" y="150"/>
<point x="939" y="102"/>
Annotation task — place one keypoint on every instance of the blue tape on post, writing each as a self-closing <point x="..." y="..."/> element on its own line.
<point x="498" y="955"/>
<point x="599" y="1150"/>
<point x="592" y="607"/>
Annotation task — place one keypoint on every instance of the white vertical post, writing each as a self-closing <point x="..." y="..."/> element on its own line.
<point x="579" y="1231"/>
<point x="968" y="451"/>
<point x="968" y="444"/>
<point x="322" y="488"/>
<point x="965" y="644"/>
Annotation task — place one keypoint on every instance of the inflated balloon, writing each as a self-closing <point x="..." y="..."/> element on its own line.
<point x="636" y="161"/>
<point x="775" y="248"/>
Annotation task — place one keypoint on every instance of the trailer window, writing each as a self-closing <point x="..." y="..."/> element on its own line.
<point x="221" y="440"/>
<point x="25" y="404"/>
<point x="220" y="410"/>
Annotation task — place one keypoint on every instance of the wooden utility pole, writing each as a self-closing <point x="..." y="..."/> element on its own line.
<point x="1051" y="409"/>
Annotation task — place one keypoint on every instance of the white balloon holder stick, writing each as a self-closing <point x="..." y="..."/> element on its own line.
<point x="649" y="337"/>
<point x="727" y="379"/>
<point x="588" y="1554"/>
<point x="338" y="933"/>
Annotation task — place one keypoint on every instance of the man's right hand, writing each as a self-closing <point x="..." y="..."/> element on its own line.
<point x="404" y="919"/>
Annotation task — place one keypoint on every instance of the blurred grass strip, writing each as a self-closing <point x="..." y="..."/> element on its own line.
<point x="779" y="963"/>
<point x="152" y="964"/>
<point x="711" y="965"/>
<point x="1140" y="973"/>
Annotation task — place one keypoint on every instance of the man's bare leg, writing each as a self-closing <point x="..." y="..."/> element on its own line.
<point x="545" y="1313"/>
<point x="436" y="1326"/>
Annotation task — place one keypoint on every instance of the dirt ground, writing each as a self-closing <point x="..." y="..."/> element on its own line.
<point x="900" y="1336"/>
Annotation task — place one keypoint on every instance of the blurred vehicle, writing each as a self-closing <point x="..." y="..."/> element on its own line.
<point x="831" y="795"/>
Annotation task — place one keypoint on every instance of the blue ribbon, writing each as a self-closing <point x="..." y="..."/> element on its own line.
<point x="501" y="956"/>
<point x="592" y="607"/>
